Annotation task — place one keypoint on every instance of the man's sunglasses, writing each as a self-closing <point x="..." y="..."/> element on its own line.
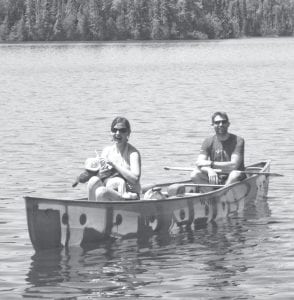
<point x="221" y="121"/>
<point x="121" y="130"/>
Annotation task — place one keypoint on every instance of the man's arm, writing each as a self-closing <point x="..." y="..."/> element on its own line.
<point x="204" y="164"/>
<point x="203" y="161"/>
<point x="228" y="166"/>
<point x="237" y="158"/>
<point x="203" y="158"/>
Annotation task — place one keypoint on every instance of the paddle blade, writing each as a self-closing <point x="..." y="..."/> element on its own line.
<point x="84" y="177"/>
<point x="75" y="184"/>
<point x="264" y="173"/>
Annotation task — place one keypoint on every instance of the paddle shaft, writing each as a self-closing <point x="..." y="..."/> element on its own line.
<point x="220" y="171"/>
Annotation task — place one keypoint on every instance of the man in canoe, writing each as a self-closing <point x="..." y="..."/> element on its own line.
<point x="221" y="155"/>
<point x="120" y="171"/>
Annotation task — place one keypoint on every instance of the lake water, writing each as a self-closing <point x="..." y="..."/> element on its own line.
<point x="56" y="105"/>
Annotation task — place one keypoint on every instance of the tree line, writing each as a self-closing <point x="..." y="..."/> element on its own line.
<point x="100" y="20"/>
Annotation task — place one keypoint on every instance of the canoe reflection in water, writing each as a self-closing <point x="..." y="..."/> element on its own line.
<point x="54" y="223"/>
<point x="123" y="267"/>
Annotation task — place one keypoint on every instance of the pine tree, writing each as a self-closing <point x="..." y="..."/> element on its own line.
<point x="46" y="18"/>
<point x="96" y="26"/>
<point x="30" y="19"/>
<point x="184" y="17"/>
<point x="17" y="31"/>
<point x="133" y="27"/>
<point x="120" y="10"/>
<point x="156" y="33"/>
<point x="4" y="29"/>
<point x="70" y="19"/>
<point x="82" y="25"/>
<point x="58" y="32"/>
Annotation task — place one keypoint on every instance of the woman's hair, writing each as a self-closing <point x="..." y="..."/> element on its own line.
<point x="121" y="120"/>
<point x="221" y="114"/>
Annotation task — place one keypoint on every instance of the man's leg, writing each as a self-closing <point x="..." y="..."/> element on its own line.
<point x="235" y="176"/>
<point x="199" y="177"/>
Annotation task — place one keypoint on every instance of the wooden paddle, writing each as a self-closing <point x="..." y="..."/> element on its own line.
<point x="220" y="171"/>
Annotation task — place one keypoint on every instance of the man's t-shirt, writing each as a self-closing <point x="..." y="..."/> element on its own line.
<point x="222" y="150"/>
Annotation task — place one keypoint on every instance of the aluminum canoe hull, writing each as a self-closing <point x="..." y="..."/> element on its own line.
<point x="56" y="223"/>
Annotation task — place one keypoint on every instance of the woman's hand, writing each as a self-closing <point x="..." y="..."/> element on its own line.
<point x="107" y="168"/>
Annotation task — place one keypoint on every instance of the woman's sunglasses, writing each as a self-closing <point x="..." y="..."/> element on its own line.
<point x="120" y="130"/>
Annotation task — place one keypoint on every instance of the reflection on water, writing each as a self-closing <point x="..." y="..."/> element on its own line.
<point x="126" y="267"/>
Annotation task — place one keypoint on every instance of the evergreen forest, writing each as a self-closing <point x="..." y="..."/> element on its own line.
<point x="104" y="20"/>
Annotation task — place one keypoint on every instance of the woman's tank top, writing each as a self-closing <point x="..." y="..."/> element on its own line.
<point x="123" y="160"/>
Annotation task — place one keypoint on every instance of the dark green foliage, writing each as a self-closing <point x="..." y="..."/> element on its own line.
<point x="98" y="20"/>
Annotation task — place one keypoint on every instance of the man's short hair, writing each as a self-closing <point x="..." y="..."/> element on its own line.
<point x="221" y="114"/>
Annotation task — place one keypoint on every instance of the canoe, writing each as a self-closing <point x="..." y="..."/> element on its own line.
<point x="55" y="223"/>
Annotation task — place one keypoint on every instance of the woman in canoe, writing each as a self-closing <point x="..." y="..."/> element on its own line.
<point x="120" y="171"/>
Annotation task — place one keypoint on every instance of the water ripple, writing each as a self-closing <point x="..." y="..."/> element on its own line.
<point x="57" y="103"/>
